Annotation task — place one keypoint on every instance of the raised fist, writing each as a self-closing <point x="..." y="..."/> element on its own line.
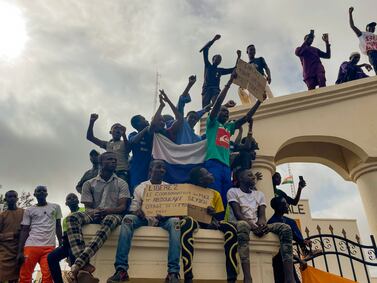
<point x="217" y="37"/>
<point x="239" y="54"/>
<point x="93" y="117"/>
<point x="350" y="10"/>
<point x="192" y="79"/>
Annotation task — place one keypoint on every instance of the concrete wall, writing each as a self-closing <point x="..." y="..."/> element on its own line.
<point x="148" y="256"/>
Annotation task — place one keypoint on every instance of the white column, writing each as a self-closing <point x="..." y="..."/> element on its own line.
<point x="266" y="166"/>
<point x="365" y="176"/>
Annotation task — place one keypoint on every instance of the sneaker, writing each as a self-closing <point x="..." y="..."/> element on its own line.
<point x="172" y="278"/>
<point x="119" y="276"/>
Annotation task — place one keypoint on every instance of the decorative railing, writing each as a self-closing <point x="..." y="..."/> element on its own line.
<point x="338" y="247"/>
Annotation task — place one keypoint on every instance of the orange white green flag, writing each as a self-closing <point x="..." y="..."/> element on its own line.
<point x="313" y="275"/>
<point x="287" y="180"/>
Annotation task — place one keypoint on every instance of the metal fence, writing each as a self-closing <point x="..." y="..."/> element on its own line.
<point x="341" y="247"/>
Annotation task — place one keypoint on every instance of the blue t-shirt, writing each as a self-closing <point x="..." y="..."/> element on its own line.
<point x="297" y="235"/>
<point x="141" y="157"/>
<point x="186" y="135"/>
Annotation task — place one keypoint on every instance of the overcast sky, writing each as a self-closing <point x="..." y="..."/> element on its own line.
<point x="62" y="60"/>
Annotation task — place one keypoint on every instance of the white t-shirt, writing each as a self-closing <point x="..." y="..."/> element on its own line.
<point x="368" y="41"/>
<point x="248" y="202"/>
<point x="137" y="201"/>
<point x="42" y="221"/>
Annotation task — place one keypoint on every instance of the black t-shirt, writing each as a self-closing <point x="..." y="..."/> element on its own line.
<point x="260" y="64"/>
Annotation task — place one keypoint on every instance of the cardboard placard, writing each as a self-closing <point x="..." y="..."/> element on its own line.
<point x="177" y="200"/>
<point x="249" y="78"/>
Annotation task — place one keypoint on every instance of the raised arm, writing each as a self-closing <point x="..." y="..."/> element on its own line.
<point x="206" y="47"/>
<point x="249" y="114"/>
<point x="249" y="137"/>
<point x="352" y="24"/>
<point x="90" y="134"/>
<point x="220" y="98"/>
<point x="185" y="96"/>
<point x="227" y="71"/>
<point x="157" y="115"/>
<point x="327" y="54"/>
<point x="301" y="185"/>
<point x="178" y="116"/>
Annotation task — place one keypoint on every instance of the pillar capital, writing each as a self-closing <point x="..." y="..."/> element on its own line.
<point x="266" y="162"/>
<point x="362" y="169"/>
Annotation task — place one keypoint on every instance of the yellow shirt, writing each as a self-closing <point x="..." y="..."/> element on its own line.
<point x="217" y="202"/>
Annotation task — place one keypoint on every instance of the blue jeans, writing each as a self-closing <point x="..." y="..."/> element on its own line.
<point x="222" y="175"/>
<point x="130" y="223"/>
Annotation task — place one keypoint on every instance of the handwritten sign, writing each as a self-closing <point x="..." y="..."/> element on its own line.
<point x="249" y="78"/>
<point x="177" y="200"/>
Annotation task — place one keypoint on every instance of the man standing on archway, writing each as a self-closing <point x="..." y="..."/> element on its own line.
<point x="368" y="40"/>
<point x="310" y="57"/>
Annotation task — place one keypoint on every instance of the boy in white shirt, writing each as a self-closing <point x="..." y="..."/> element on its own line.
<point x="248" y="210"/>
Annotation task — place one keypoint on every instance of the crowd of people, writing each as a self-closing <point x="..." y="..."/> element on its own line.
<point x="112" y="190"/>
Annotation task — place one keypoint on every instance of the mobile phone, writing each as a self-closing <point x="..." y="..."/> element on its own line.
<point x="312" y="31"/>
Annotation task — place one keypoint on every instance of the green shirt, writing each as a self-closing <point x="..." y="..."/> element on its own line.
<point x="81" y="209"/>
<point x="218" y="138"/>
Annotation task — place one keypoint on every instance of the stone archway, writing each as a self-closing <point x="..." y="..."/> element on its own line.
<point x="339" y="154"/>
<point x="335" y="126"/>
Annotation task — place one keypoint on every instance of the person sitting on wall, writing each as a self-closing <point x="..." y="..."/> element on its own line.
<point x="310" y="57"/>
<point x="350" y="71"/>
<point x="280" y="207"/>
<point x="368" y="40"/>
<point x="199" y="176"/>
<point x="63" y="251"/>
<point x="10" y="226"/>
<point x="218" y="133"/>
<point x="40" y="227"/>
<point x="213" y="73"/>
<point x="105" y="198"/>
<point x="116" y="144"/>
<point x="91" y="173"/>
<point x="137" y="219"/>
<point x="276" y="181"/>
<point x="247" y="210"/>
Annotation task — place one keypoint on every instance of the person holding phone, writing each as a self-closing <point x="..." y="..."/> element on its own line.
<point x="310" y="57"/>
<point x="276" y="181"/>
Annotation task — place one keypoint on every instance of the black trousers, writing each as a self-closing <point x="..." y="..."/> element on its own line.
<point x="188" y="226"/>
<point x="56" y="256"/>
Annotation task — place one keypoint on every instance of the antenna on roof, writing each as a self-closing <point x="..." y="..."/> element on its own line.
<point x="157" y="86"/>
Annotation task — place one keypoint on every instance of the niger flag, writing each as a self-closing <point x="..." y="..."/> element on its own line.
<point x="313" y="275"/>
